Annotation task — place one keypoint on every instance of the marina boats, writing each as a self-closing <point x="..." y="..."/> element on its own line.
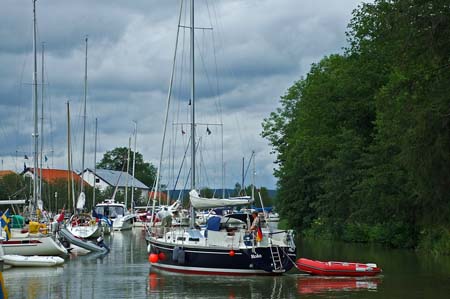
<point x="117" y="213"/>
<point x="29" y="261"/>
<point x="225" y="246"/>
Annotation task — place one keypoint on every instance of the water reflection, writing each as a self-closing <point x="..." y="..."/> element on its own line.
<point x="126" y="273"/>
<point x="317" y="284"/>
<point x="174" y="285"/>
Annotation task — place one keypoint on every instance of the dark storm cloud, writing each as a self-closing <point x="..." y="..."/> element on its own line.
<point x="261" y="48"/>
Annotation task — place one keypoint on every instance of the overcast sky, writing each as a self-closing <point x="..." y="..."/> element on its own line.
<point x="255" y="52"/>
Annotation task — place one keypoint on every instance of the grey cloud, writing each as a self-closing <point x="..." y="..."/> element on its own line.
<point x="262" y="47"/>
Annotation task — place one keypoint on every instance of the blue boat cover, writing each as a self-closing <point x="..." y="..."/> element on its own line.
<point x="213" y="223"/>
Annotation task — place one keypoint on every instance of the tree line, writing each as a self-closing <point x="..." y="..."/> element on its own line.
<point x="363" y="140"/>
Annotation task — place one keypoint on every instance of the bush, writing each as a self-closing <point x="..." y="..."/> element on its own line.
<point x="435" y="240"/>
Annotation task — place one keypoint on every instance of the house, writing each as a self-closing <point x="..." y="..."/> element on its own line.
<point x="51" y="176"/>
<point x="105" y="178"/>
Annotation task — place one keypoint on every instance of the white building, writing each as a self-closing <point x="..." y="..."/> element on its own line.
<point x="105" y="178"/>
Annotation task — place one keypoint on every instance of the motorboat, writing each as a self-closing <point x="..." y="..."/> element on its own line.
<point x="117" y="213"/>
<point x="331" y="268"/>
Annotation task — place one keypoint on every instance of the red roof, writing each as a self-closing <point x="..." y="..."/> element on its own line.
<point x="6" y="172"/>
<point x="51" y="175"/>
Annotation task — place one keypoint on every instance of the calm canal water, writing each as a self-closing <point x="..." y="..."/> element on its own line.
<point x="126" y="273"/>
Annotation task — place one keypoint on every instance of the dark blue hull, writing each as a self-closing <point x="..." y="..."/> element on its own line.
<point x="210" y="260"/>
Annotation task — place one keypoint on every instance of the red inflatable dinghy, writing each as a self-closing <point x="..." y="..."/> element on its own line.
<point x="337" y="268"/>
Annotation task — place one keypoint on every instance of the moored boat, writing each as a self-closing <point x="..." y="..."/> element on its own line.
<point x="117" y="213"/>
<point x="32" y="261"/>
<point x="331" y="268"/>
<point x="229" y="245"/>
<point x="85" y="244"/>
<point x="29" y="246"/>
<point x="222" y="249"/>
<point x="84" y="226"/>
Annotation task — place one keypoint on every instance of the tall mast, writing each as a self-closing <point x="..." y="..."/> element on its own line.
<point x="134" y="166"/>
<point x="192" y="213"/>
<point x="69" y="180"/>
<point x="169" y="95"/>
<point x="253" y="176"/>
<point x="35" y="116"/>
<point x="192" y="98"/>
<point x="95" y="164"/>
<point x="42" y="123"/>
<point x="128" y="170"/>
<point x="84" y="118"/>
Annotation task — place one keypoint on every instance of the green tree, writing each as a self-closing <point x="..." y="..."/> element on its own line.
<point x="116" y="159"/>
<point x="12" y="186"/>
<point x="362" y="141"/>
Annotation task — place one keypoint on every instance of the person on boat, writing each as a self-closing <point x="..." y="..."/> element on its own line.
<point x="255" y="222"/>
<point x="166" y="217"/>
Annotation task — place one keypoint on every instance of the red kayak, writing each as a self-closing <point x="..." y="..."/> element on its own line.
<point x="337" y="268"/>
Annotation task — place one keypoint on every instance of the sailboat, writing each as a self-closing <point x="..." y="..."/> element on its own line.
<point x="34" y="244"/>
<point x="84" y="225"/>
<point x="225" y="246"/>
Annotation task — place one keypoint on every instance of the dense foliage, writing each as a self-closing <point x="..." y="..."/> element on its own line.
<point x="363" y="141"/>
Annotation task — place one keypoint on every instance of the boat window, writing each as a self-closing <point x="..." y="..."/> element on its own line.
<point x="100" y="211"/>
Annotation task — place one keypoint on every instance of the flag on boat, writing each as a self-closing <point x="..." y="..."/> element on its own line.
<point x="259" y="234"/>
<point x="6" y="224"/>
<point x="3" y="292"/>
<point x="101" y="217"/>
<point x="208" y="131"/>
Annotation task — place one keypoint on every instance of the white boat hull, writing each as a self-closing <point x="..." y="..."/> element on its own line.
<point x="44" y="246"/>
<point x="123" y="223"/>
<point x="86" y="232"/>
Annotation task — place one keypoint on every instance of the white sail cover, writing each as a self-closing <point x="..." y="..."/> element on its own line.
<point x="208" y="203"/>
<point x="81" y="200"/>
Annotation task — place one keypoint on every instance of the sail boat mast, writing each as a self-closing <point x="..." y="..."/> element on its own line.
<point x="134" y="166"/>
<point x="69" y="181"/>
<point x="192" y="213"/>
<point x="95" y="164"/>
<point x="84" y="118"/>
<point x="42" y="123"/>
<point x="35" y="116"/>
<point x="192" y="98"/>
